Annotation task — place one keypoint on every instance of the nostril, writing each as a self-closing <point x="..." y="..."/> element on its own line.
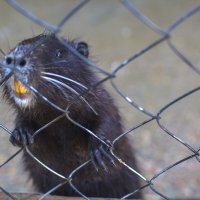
<point x="9" y="60"/>
<point x="22" y="63"/>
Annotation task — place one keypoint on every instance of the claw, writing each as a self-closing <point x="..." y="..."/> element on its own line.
<point x="100" y="155"/>
<point x="99" y="160"/>
<point x="106" y="154"/>
<point x="15" y="138"/>
<point x="29" y="137"/>
<point x="93" y="161"/>
<point x="21" y="137"/>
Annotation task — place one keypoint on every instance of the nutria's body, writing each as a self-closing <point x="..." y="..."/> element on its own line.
<point x="63" y="146"/>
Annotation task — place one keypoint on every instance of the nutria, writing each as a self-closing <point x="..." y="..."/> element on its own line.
<point x="45" y="64"/>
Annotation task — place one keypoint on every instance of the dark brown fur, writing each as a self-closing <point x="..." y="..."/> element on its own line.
<point x="64" y="146"/>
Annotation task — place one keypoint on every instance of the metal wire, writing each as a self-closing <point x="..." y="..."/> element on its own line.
<point x="165" y="36"/>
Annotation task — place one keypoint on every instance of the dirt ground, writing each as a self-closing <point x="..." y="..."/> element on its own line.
<point x="152" y="80"/>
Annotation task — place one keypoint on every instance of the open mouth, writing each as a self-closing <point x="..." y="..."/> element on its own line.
<point x="22" y="95"/>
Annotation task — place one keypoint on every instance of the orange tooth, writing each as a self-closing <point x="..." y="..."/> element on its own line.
<point x="19" y="88"/>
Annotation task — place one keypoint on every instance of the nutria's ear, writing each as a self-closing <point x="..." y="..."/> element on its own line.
<point x="82" y="48"/>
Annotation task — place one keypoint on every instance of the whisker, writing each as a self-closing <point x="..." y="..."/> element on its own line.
<point x="61" y="83"/>
<point x="55" y="67"/>
<point x="2" y="52"/>
<point x="43" y="97"/>
<point x="66" y="78"/>
<point x="59" y="87"/>
<point x="8" y="43"/>
<point x="57" y="62"/>
<point x="70" y="89"/>
<point x="48" y="68"/>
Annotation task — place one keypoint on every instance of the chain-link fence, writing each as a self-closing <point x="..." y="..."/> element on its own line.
<point x="164" y="36"/>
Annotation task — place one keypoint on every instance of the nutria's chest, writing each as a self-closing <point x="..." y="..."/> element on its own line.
<point x="60" y="140"/>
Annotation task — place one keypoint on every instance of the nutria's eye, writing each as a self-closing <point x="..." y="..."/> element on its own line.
<point x="60" y="53"/>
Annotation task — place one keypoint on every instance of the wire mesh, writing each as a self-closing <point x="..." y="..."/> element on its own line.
<point x="165" y="36"/>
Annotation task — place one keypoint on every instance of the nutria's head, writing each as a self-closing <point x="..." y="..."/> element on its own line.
<point x="45" y="64"/>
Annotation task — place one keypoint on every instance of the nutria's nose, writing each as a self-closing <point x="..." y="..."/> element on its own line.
<point x="11" y="60"/>
<point x="22" y="62"/>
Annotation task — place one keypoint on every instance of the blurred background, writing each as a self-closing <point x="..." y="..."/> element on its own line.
<point x="153" y="80"/>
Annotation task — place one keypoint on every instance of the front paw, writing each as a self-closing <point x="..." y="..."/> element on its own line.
<point x="100" y="154"/>
<point x="21" y="137"/>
